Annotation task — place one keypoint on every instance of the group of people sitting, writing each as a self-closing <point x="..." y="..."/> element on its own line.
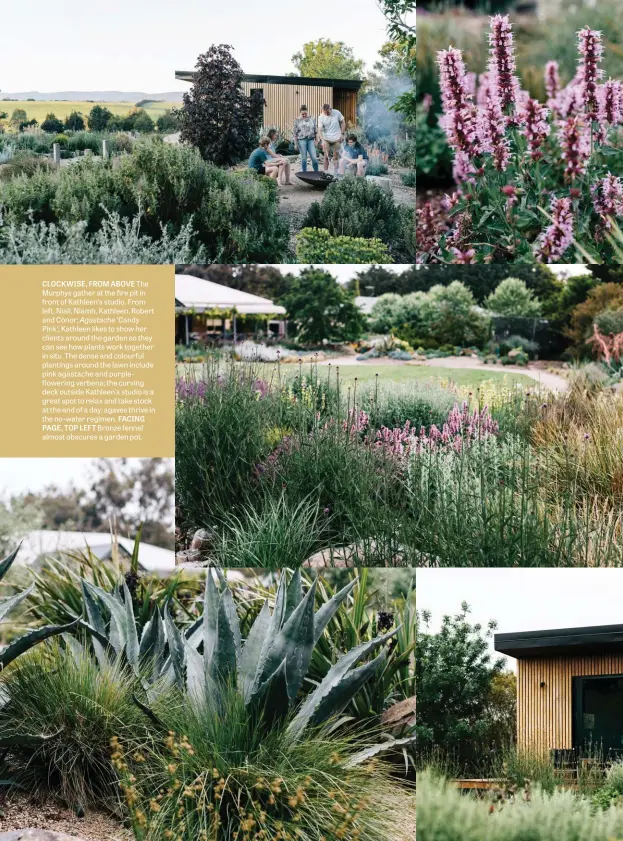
<point x="348" y="155"/>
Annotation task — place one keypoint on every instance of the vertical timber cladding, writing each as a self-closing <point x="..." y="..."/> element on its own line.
<point x="545" y="713"/>
<point x="346" y="102"/>
<point x="283" y="102"/>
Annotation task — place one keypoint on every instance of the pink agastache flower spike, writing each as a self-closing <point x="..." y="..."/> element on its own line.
<point x="502" y="61"/>
<point x="555" y="240"/>
<point x="483" y="89"/>
<point x="462" y="169"/>
<point x="552" y="80"/>
<point x="569" y="101"/>
<point x="533" y="116"/>
<point x="608" y="198"/>
<point x="427" y="229"/>
<point x="610" y="97"/>
<point x="576" y="146"/>
<point x="492" y="130"/>
<point x="459" y="119"/>
<point x="591" y="51"/>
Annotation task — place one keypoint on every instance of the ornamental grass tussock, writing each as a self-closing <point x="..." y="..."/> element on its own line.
<point x="534" y="180"/>
<point x="192" y="801"/>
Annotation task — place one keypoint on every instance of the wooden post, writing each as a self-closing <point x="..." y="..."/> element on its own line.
<point x="56" y="153"/>
<point x="104" y="148"/>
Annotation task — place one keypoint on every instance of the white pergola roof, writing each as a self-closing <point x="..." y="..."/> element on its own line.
<point x="194" y="293"/>
<point x="43" y="542"/>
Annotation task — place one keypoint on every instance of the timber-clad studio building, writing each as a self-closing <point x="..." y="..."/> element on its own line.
<point x="284" y="95"/>
<point x="569" y="690"/>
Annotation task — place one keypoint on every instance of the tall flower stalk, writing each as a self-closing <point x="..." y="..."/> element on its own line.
<point x="554" y="241"/>
<point x="533" y="116"/>
<point x="591" y="51"/>
<point x="502" y="66"/>
<point x="459" y="119"/>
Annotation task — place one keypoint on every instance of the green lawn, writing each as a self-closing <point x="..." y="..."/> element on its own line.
<point x="407" y="373"/>
<point x="388" y="373"/>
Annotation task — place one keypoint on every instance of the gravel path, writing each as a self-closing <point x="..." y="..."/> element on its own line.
<point x="18" y="811"/>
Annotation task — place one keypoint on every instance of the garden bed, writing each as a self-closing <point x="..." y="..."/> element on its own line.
<point x="186" y="740"/>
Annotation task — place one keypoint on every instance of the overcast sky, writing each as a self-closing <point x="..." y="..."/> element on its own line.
<point x="18" y="475"/>
<point x="138" y="45"/>
<point x="524" y="599"/>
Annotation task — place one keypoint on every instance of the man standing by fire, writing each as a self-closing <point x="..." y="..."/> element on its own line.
<point x="331" y="128"/>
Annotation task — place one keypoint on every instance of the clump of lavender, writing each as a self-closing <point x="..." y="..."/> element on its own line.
<point x="533" y="116"/>
<point x="576" y="146"/>
<point x="459" y="119"/>
<point x="608" y="198"/>
<point x="502" y="66"/>
<point x="591" y="51"/>
<point x="555" y="240"/>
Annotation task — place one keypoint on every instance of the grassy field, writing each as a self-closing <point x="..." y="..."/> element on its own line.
<point x="408" y="373"/>
<point x="63" y="108"/>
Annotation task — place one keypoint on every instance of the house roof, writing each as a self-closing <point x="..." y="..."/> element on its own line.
<point x="43" y="542"/>
<point x="261" y="78"/>
<point x="573" y="641"/>
<point x="194" y="293"/>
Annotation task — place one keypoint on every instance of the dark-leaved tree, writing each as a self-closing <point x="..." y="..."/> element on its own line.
<point x="322" y="309"/>
<point x="52" y="124"/>
<point x="456" y="691"/>
<point x="74" y="122"/>
<point x="99" y="118"/>
<point x="218" y="117"/>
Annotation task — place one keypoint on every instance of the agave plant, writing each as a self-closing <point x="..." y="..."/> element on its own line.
<point x="269" y="668"/>
<point x="27" y="641"/>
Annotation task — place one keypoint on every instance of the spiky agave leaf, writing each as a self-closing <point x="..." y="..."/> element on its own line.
<point x="22" y="644"/>
<point x="381" y="747"/>
<point x="339" y="686"/>
<point x="294" y="643"/>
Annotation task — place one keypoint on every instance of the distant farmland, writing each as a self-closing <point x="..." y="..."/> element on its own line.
<point x="63" y="108"/>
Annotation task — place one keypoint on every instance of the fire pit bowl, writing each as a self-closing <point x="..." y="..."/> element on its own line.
<point x="319" y="180"/>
